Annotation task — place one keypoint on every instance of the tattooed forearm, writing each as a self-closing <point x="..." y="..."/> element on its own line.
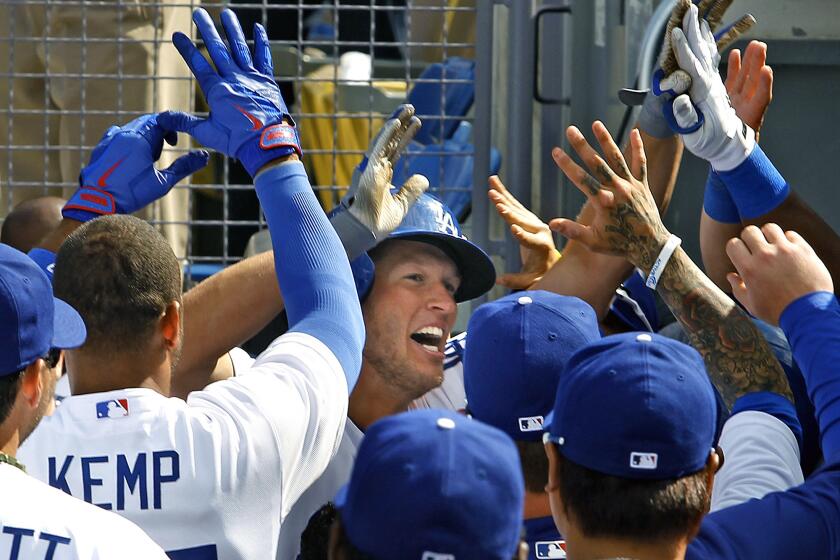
<point x="738" y="359"/>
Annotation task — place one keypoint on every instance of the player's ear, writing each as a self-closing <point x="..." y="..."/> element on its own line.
<point x="171" y="325"/>
<point x="32" y="383"/>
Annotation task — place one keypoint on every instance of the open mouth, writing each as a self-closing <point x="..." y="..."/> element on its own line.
<point x="430" y="338"/>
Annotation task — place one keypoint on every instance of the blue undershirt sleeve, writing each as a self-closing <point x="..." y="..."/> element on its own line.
<point x="311" y="266"/>
<point x="812" y="326"/>
<point x="756" y="185"/>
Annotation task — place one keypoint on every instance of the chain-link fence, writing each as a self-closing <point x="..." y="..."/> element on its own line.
<point x="70" y="69"/>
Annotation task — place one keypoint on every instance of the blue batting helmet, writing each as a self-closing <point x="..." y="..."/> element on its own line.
<point x="431" y="221"/>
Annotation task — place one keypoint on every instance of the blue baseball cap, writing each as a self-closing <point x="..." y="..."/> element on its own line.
<point x="33" y="321"/>
<point x="431" y="221"/>
<point x="516" y="348"/>
<point x="434" y="484"/>
<point x="635" y="405"/>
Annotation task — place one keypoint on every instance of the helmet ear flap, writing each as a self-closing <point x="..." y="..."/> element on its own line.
<point x="363" y="273"/>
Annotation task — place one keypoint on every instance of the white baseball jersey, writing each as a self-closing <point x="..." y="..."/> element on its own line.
<point x="449" y="396"/>
<point x="211" y="477"/>
<point x="41" y="523"/>
<point x="760" y="456"/>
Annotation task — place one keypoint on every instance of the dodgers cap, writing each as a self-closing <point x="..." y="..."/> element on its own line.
<point x="31" y="320"/>
<point x="431" y="221"/>
<point x="516" y="348"/>
<point x="635" y="405"/>
<point x="434" y="484"/>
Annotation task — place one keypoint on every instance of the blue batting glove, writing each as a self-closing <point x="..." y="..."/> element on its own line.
<point x="121" y="177"/>
<point x="246" y="108"/>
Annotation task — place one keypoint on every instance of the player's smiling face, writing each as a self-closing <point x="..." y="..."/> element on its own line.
<point x="409" y="314"/>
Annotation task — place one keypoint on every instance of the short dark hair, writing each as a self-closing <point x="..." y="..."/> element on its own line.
<point x="9" y="388"/>
<point x="651" y="510"/>
<point x="119" y="273"/>
<point x="534" y="465"/>
<point x="315" y="539"/>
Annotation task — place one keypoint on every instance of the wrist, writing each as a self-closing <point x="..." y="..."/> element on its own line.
<point x="645" y="253"/>
<point x="662" y="259"/>
<point x="275" y="144"/>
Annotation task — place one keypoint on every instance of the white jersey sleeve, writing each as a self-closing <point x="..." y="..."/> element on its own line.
<point x="306" y="429"/>
<point x="40" y="522"/>
<point x="450" y="394"/>
<point x="760" y="456"/>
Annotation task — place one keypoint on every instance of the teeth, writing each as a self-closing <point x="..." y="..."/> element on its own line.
<point x="434" y="331"/>
<point x="429" y="347"/>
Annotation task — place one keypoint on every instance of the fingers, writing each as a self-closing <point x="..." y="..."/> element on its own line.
<point x="262" y="51"/>
<point x="184" y="166"/>
<point x="773" y="233"/>
<point x="573" y="230"/>
<point x="590" y="157"/>
<point x="733" y="70"/>
<point x="525" y="237"/>
<point x="638" y="158"/>
<point x="755" y="61"/>
<point x="733" y="32"/>
<point x="691" y="28"/>
<point x="387" y="140"/>
<point x="411" y="190"/>
<point x="503" y="195"/>
<point x="517" y="280"/>
<point x="405" y="138"/>
<point x="236" y="40"/>
<point x="201" y="69"/>
<point x="611" y="151"/>
<point x="753" y="239"/>
<point x="178" y="121"/>
<point x="678" y="82"/>
<point x="585" y="182"/>
<point x="738" y="253"/>
<point x="739" y="288"/>
<point x="685" y="57"/>
<point x="215" y="46"/>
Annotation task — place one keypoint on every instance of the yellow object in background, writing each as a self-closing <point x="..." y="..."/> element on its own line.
<point x="349" y="133"/>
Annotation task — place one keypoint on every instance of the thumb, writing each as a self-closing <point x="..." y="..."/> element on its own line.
<point x="178" y="121"/>
<point x="573" y="230"/>
<point x="517" y="280"/>
<point x="184" y="166"/>
<point x="684" y="112"/>
<point x="739" y="289"/>
<point x="411" y="190"/>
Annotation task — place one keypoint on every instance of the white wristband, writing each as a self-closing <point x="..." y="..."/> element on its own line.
<point x="662" y="260"/>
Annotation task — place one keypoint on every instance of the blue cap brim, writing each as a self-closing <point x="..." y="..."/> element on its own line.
<point x="478" y="275"/>
<point x="341" y="497"/>
<point x="68" y="327"/>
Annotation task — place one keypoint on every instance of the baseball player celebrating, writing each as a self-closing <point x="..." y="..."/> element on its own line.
<point x="211" y="477"/>
<point x="40" y="522"/>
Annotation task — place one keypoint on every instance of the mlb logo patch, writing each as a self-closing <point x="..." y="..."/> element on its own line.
<point x="550" y="549"/>
<point x="531" y="424"/>
<point x="115" y="408"/>
<point x="645" y="461"/>
<point x="437" y="556"/>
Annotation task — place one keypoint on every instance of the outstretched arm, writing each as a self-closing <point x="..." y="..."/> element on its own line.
<point x="627" y="224"/>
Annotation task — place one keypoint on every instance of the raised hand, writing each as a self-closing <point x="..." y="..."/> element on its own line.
<point x="536" y="244"/>
<point x="373" y="203"/>
<point x="627" y="221"/>
<point x="775" y="268"/>
<point x="749" y="83"/>
<point x="712" y="130"/>
<point x="248" y="118"/>
<point x="374" y="207"/>
<point x="121" y="177"/>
